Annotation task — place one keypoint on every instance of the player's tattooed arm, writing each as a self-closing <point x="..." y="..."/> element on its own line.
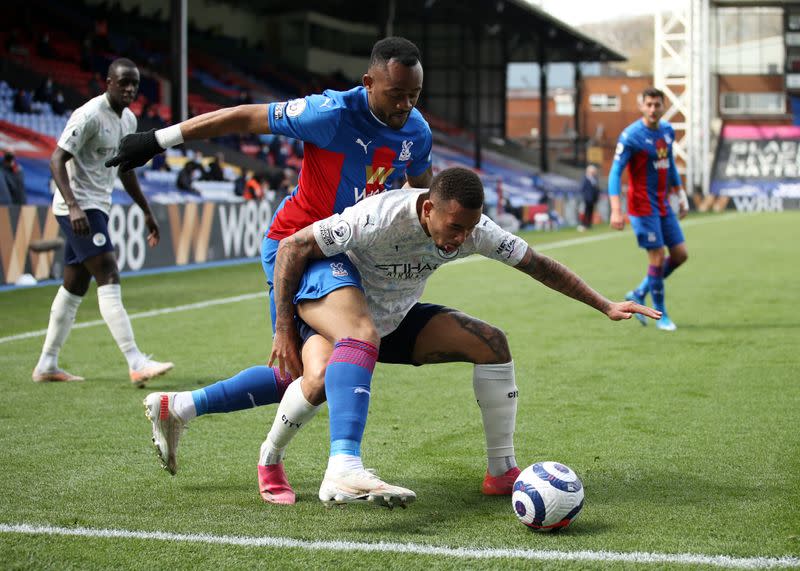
<point x="290" y="263"/>
<point x="293" y="255"/>
<point x="559" y="277"/>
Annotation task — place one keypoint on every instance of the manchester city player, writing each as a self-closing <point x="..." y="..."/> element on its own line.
<point x="393" y="243"/>
<point x="358" y="143"/>
<point x="81" y="206"/>
<point x="645" y="147"/>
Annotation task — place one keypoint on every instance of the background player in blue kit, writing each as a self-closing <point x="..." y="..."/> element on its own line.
<point x="645" y="147"/>
<point x="358" y="143"/>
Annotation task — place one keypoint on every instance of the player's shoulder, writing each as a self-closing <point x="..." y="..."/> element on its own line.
<point x="634" y="128"/>
<point x="486" y="226"/>
<point x="87" y="115"/>
<point x="392" y="205"/>
<point x="417" y="123"/>
<point x="632" y="133"/>
<point x="91" y="108"/>
<point x="350" y="100"/>
<point x="666" y="127"/>
<point x="129" y="118"/>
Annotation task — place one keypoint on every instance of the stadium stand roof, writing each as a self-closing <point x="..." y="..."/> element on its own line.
<point x="465" y="47"/>
<point x="524" y="24"/>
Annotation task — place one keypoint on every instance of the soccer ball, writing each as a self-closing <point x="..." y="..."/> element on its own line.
<point x="547" y="496"/>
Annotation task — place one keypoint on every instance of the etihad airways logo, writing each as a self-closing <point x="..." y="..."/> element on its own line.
<point x="407" y="271"/>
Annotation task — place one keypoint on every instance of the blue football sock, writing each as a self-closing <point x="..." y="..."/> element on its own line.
<point x="668" y="267"/>
<point x="643" y="288"/>
<point x="347" y="385"/>
<point x="250" y="388"/>
<point x="657" y="287"/>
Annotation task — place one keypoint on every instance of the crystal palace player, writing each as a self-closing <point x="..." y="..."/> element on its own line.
<point x="358" y="143"/>
<point x="646" y="148"/>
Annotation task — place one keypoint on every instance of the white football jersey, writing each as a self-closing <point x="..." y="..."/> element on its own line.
<point x="384" y="238"/>
<point x="92" y="136"/>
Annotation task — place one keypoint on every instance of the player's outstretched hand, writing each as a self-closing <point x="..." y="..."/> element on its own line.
<point x="286" y="349"/>
<point x="626" y="309"/>
<point x="135" y="150"/>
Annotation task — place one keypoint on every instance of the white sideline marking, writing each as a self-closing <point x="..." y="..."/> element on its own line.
<point x="247" y="296"/>
<point x="598" y="238"/>
<point x="416" y="548"/>
<point x="151" y="313"/>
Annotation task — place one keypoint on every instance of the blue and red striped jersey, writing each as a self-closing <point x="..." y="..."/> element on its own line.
<point x="349" y="154"/>
<point x="651" y="167"/>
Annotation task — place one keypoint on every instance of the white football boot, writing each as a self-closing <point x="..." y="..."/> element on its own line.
<point x="167" y="428"/>
<point x="149" y="370"/>
<point x="360" y="486"/>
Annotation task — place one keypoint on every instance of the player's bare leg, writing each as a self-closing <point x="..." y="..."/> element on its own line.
<point x="455" y="336"/>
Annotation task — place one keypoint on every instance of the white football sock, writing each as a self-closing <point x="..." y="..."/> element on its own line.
<point x="183" y="405"/>
<point x="109" y="298"/>
<point x="62" y="316"/>
<point x="497" y="393"/>
<point x="293" y="412"/>
<point x="340" y="463"/>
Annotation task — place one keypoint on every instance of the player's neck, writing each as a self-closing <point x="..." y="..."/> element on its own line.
<point x="651" y="126"/>
<point x="118" y="109"/>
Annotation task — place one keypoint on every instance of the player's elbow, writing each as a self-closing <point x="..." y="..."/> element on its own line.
<point x="251" y="118"/>
<point x="58" y="160"/>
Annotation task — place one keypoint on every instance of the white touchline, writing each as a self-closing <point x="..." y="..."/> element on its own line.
<point x="151" y="313"/>
<point x="416" y="548"/>
<point x="248" y="296"/>
<point x="597" y="238"/>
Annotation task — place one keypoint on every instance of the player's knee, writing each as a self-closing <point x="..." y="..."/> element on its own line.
<point x="496" y="348"/>
<point x="364" y="330"/>
<point x="106" y="272"/>
<point x="77" y="286"/>
<point x="313" y="386"/>
<point x="680" y="258"/>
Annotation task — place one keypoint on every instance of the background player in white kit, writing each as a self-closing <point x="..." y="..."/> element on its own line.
<point x="81" y="206"/>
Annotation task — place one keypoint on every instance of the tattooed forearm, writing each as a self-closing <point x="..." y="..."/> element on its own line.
<point x="290" y="263"/>
<point x="560" y="278"/>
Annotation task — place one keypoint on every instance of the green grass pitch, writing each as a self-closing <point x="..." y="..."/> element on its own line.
<point x="687" y="443"/>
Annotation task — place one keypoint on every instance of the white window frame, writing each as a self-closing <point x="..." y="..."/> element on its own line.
<point x="748" y="103"/>
<point x="604" y="102"/>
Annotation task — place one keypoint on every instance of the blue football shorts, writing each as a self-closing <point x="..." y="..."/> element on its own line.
<point x="320" y="278"/>
<point x="81" y="248"/>
<point x="656" y="231"/>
